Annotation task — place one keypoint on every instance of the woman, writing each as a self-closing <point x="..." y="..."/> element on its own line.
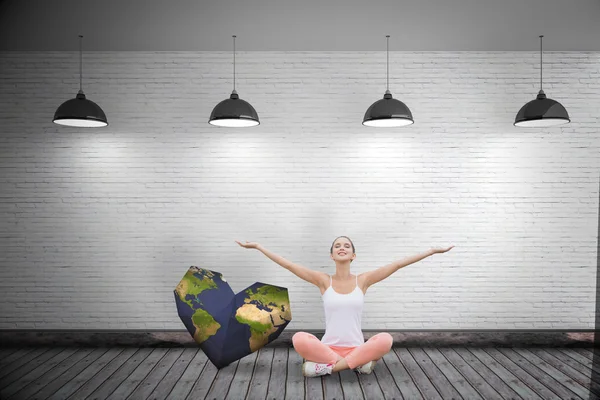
<point x="342" y="346"/>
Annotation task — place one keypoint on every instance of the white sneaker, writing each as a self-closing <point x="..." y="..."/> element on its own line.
<point x="366" y="368"/>
<point x="311" y="369"/>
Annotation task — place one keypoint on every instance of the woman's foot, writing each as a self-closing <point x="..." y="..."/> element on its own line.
<point x="311" y="369"/>
<point x="366" y="368"/>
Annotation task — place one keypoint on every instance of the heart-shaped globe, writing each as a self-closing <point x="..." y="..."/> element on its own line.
<point x="230" y="326"/>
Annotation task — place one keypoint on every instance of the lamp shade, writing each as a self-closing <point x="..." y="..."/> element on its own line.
<point x="388" y="112"/>
<point x="542" y="111"/>
<point x="234" y="112"/>
<point x="80" y="112"/>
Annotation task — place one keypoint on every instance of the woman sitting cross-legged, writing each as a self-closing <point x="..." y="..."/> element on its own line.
<point x="342" y="346"/>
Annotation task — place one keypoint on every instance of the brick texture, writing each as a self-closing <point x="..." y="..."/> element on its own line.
<point x="98" y="226"/>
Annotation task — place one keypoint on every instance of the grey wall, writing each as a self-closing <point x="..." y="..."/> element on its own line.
<point x="98" y="226"/>
<point x="307" y="25"/>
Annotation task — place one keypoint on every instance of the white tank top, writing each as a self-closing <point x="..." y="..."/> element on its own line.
<point x="343" y="317"/>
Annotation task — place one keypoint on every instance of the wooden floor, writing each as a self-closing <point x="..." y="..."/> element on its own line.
<point x="275" y="373"/>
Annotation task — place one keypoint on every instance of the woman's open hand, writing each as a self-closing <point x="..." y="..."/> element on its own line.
<point x="440" y="249"/>
<point x="248" y="245"/>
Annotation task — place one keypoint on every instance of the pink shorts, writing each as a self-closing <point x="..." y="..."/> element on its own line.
<point x="312" y="349"/>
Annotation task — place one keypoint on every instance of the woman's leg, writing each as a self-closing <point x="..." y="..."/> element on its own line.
<point x="311" y="348"/>
<point x="373" y="349"/>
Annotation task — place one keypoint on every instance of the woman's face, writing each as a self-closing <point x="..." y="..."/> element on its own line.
<point x="342" y="250"/>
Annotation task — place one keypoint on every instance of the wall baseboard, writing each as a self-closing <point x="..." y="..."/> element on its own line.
<point x="402" y="338"/>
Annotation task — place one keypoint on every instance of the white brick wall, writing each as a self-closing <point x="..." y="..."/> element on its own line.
<point x="98" y="226"/>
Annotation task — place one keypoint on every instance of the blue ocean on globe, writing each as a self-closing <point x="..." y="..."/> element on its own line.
<point x="230" y="326"/>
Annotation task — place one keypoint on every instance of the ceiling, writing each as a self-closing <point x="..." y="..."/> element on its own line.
<point x="300" y="25"/>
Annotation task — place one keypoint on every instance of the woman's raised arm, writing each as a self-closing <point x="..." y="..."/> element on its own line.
<point x="278" y="259"/>
<point x="309" y="275"/>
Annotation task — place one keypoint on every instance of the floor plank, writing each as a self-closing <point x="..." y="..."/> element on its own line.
<point x="554" y="389"/>
<point x="589" y="353"/>
<point x="577" y="376"/>
<point x="294" y="388"/>
<point x="369" y="385"/>
<point x="85" y="375"/>
<point x="421" y="379"/>
<point x="386" y="381"/>
<point x="506" y="375"/>
<point x="274" y="373"/>
<point x="189" y="377"/>
<point x="260" y="378"/>
<point x="313" y="387"/>
<point x="4" y="362"/>
<point x="151" y="381"/>
<point x="276" y="389"/>
<point x="243" y="375"/>
<point x="49" y="389"/>
<point x="165" y="386"/>
<point x="471" y="375"/>
<point x="202" y="385"/>
<point x="453" y="375"/>
<point x="437" y="378"/>
<point x="53" y="374"/>
<point x="133" y="380"/>
<point x="580" y="358"/>
<point x="332" y="387"/>
<point x="36" y="373"/>
<point x="487" y="374"/>
<point x="557" y="375"/>
<point x="7" y="351"/>
<point x="20" y="358"/>
<point x="222" y="382"/>
<point x="115" y="379"/>
<point x="99" y="378"/>
<point x="520" y="373"/>
<point x="581" y="364"/>
<point x="27" y="367"/>
<point x="350" y="385"/>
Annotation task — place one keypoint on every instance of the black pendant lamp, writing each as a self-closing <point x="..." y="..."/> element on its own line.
<point x="388" y="112"/>
<point x="80" y="112"/>
<point x="542" y="111"/>
<point x="234" y="112"/>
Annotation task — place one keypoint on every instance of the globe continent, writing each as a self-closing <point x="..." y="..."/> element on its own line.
<point x="193" y="283"/>
<point x="265" y="311"/>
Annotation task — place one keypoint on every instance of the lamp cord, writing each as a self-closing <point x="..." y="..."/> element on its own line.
<point x="388" y="61"/>
<point x="80" y="64"/>
<point x="233" y="62"/>
<point x="541" y="62"/>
